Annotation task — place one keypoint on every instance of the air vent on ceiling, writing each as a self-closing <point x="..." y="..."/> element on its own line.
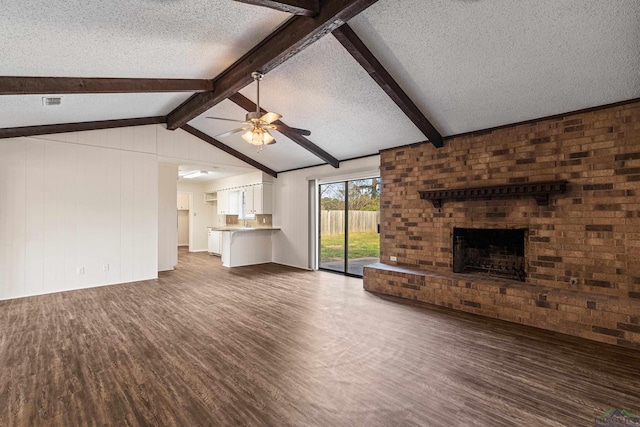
<point x="51" y="100"/>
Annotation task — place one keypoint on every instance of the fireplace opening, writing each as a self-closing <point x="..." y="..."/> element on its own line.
<point x="498" y="252"/>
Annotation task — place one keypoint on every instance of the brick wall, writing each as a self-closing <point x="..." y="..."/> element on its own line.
<point x="592" y="232"/>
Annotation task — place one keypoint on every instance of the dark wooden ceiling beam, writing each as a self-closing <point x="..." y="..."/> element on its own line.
<point x="355" y="46"/>
<point x="62" y="85"/>
<point x="296" y="7"/>
<point x="244" y="102"/>
<point x="208" y="139"/>
<point x="77" y="127"/>
<point x="290" y="38"/>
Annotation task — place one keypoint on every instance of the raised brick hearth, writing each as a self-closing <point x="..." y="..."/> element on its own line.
<point x="582" y="251"/>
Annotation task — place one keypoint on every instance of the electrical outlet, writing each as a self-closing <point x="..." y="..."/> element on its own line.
<point x="264" y="220"/>
<point x="573" y="281"/>
<point x="393" y="258"/>
<point x="105" y="267"/>
<point x="80" y="271"/>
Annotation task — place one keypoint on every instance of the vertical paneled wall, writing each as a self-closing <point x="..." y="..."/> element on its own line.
<point x="167" y="216"/>
<point x="74" y="216"/>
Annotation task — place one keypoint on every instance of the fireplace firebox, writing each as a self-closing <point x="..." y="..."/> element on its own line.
<point x="498" y="252"/>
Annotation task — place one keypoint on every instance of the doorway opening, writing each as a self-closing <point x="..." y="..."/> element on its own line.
<point x="184" y="219"/>
<point x="349" y="219"/>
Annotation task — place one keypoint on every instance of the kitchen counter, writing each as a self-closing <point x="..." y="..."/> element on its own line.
<point x="245" y="245"/>
<point x="244" y="228"/>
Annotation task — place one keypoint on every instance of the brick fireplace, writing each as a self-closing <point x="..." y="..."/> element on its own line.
<point x="577" y="269"/>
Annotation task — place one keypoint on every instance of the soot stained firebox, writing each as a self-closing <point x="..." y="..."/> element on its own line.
<point x="497" y="252"/>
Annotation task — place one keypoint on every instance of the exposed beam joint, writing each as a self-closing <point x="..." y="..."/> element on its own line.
<point x="296" y="7"/>
<point x="289" y="39"/>
<point x="356" y="47"/>
<point x="238" y="155"/>
<point x="62" y="85"/>
<point x="77" y="127"/>
<point x="249" y="105"/>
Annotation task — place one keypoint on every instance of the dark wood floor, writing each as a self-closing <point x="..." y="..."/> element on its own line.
<point x="271" y="345"/>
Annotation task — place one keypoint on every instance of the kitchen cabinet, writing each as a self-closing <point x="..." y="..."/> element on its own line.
<point x="223" y="202"/>
<point x="258" y="199"/>
<point x="215" y="242"/>
<point x="183" y="201"/>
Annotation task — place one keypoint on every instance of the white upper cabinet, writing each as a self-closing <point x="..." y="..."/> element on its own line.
<point x="223" y="202"/>
<point x="259" y="199"/>
<point x="183" y="201"/>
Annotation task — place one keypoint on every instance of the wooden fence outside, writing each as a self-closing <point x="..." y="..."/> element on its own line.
<point x="332" y="222"/>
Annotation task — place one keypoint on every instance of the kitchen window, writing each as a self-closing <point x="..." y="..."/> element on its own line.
<point x="242" y="208"/>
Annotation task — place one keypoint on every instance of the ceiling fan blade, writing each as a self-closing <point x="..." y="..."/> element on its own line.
<point x="231" y="132"/>
<point x="271" y="117"/>
<point x="281" y="128"/>
<point x="228" y="120"/>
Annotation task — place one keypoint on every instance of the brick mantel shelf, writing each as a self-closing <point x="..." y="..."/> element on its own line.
<point x="539" y="190"/>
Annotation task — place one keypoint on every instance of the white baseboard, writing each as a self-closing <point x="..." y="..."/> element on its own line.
<point x="291" y="265"/>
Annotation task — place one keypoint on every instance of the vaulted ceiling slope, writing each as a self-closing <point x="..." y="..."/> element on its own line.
<point x="455" y="65"/>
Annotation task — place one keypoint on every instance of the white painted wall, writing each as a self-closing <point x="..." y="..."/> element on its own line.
<point x="85" y="200"/>
<point x="167" y="216"/>
<point x="291" y="246"/>
<point x="203" y="215"/>
<point x="67" y="207"/>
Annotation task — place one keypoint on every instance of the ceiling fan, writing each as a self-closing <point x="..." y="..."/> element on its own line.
<point x="258" y="125"/>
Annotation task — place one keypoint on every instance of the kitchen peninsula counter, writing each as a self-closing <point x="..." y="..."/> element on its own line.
<point x="246" y="245"/>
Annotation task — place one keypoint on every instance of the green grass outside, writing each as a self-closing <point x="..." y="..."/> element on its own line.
<point x="361" y="245"/>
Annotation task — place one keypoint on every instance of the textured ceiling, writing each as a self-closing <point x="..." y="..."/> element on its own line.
<point x="472" y="65"/>
<point x="325" y="90"/>
<point x="129" y="38"/>
<point x="467" y="64"/>
<point x="27" y="110"/>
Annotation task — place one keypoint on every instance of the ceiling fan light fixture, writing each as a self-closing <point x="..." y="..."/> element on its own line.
<point x="258" y="137"/>
<point x="258" y="123"/>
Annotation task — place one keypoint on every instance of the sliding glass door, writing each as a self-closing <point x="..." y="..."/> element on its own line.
<point x="332" y="226"/>
<point x="349" y="218"/>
